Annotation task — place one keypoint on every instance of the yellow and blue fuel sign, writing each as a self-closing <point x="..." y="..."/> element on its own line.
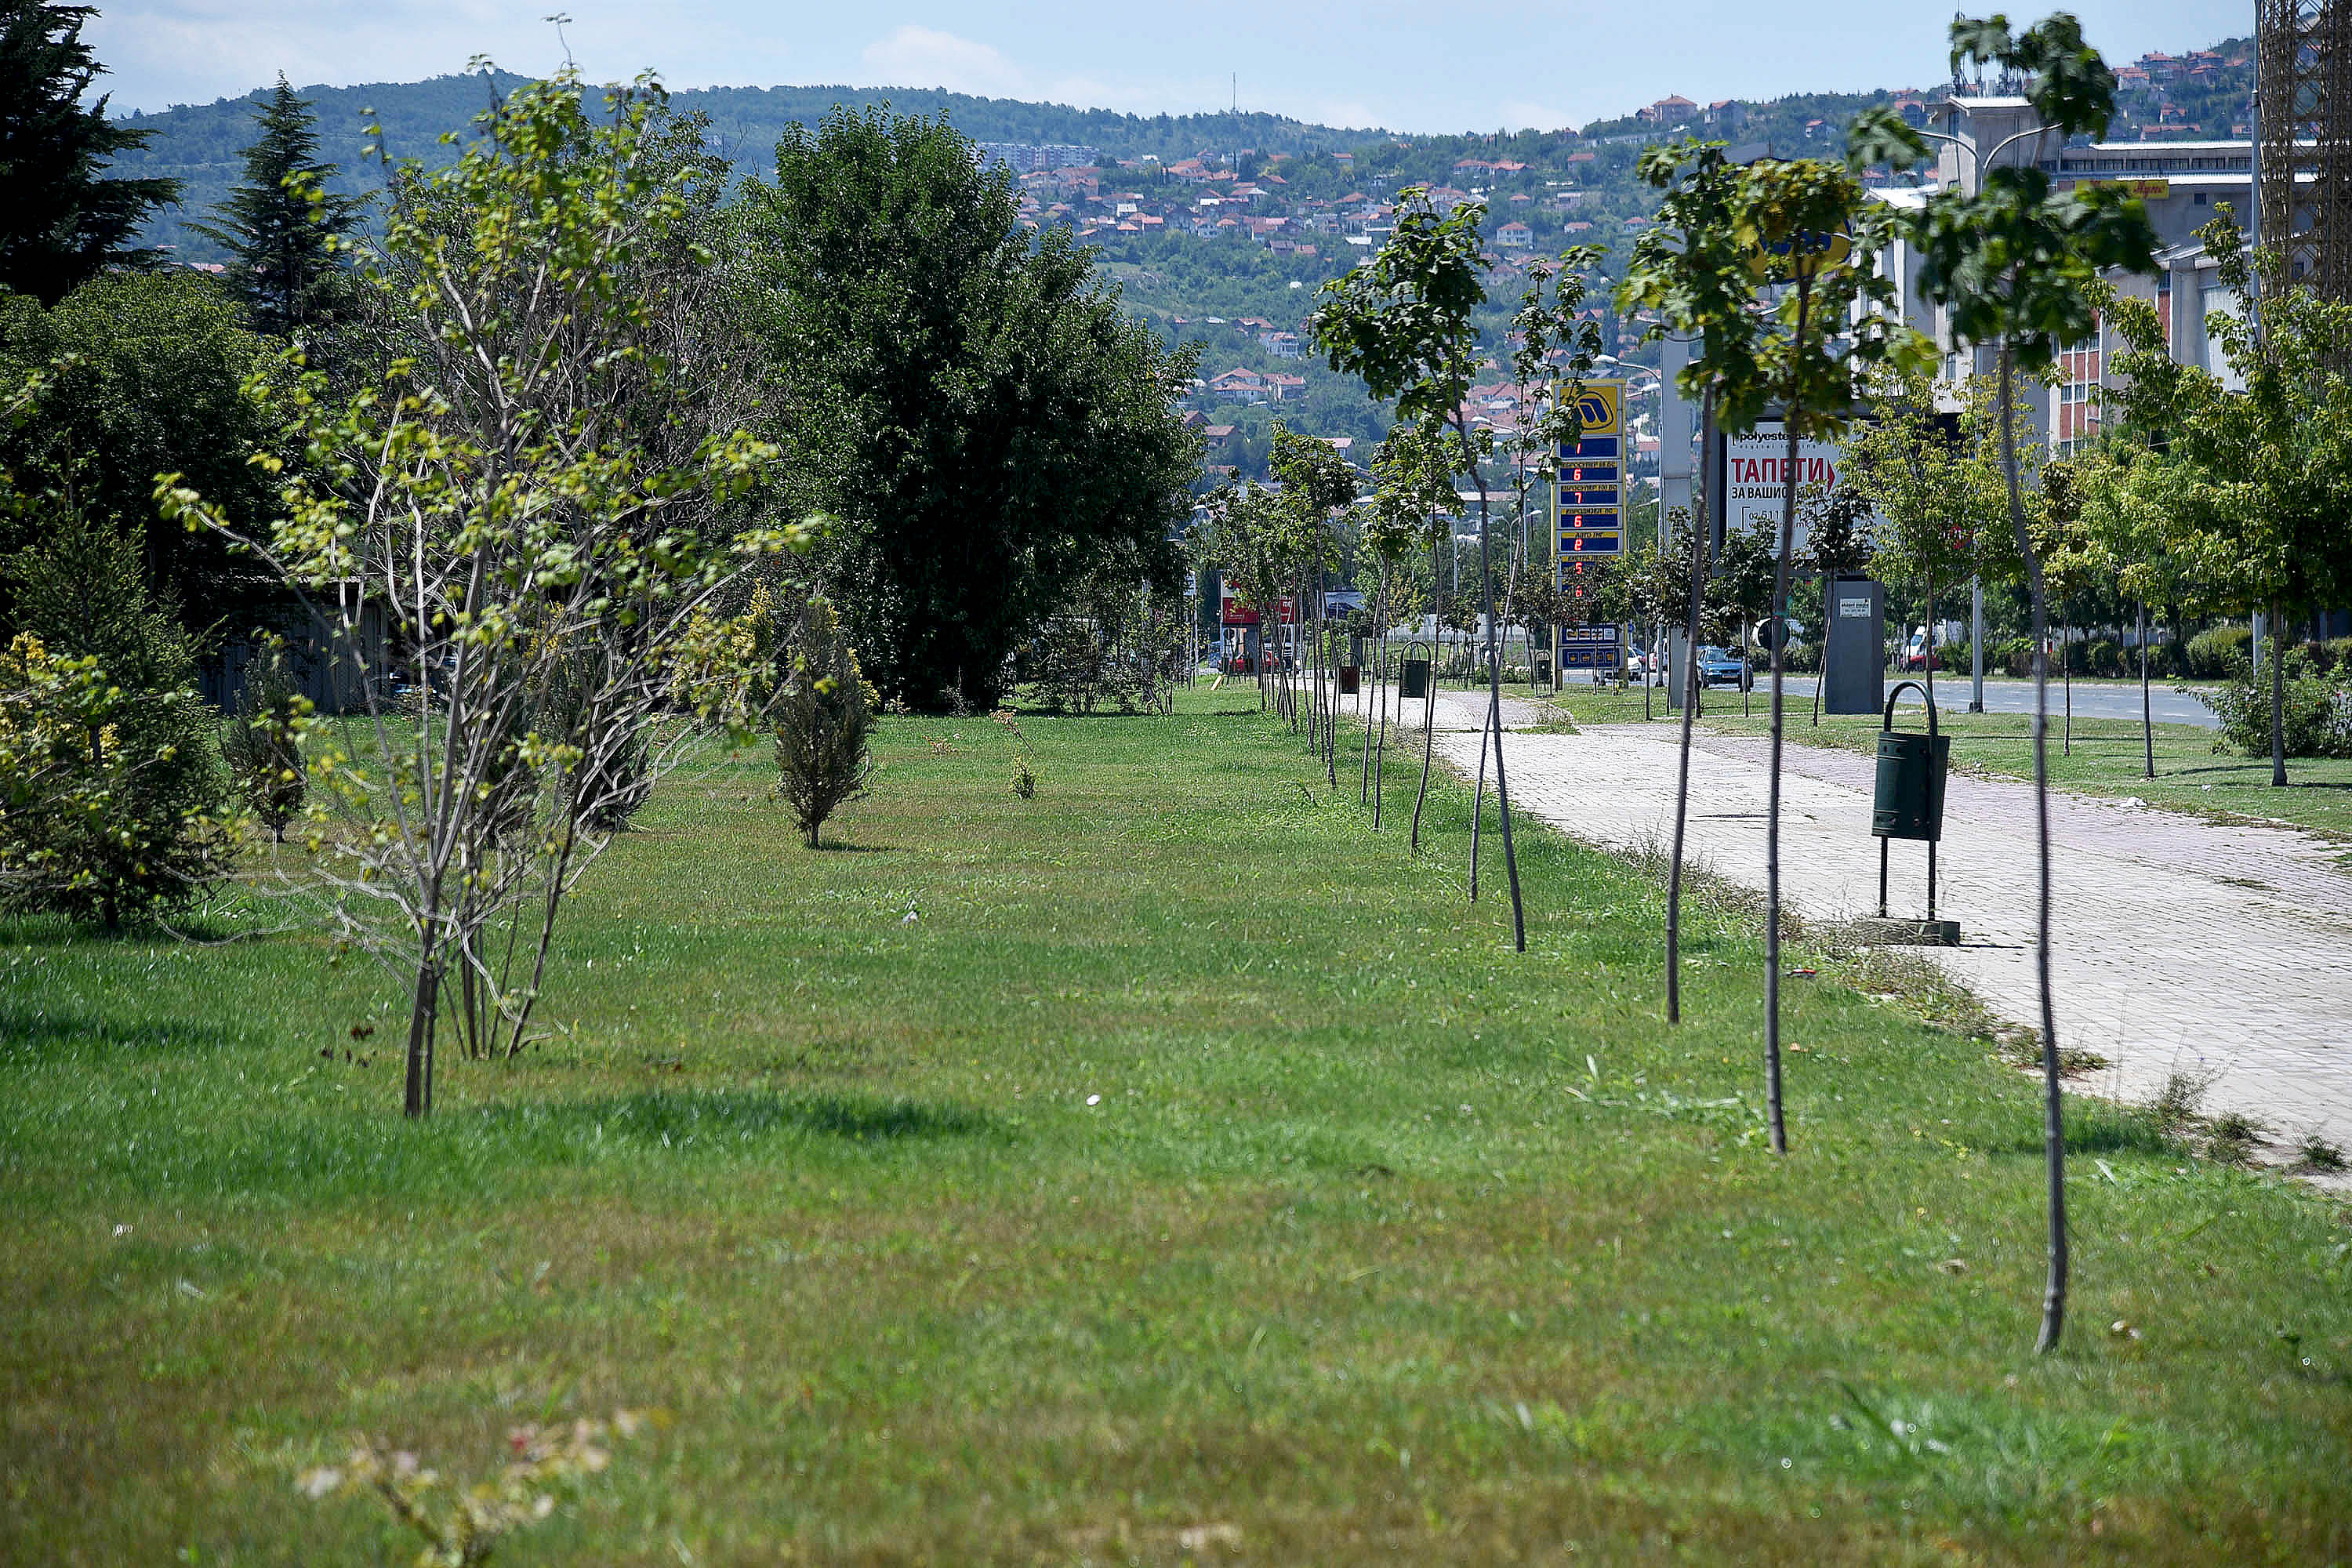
<point x="1589" y="509"/>
<point x="1589" y="514"/>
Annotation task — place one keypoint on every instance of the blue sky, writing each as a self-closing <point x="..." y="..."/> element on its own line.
<point x="1425" y="65"/>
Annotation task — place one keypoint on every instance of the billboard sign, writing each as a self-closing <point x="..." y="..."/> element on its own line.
<point x="1754" y="484"/>
<point x="1591" y="647"/>
<point x="1588" y="504"/>
<point x="1234" y="611"/>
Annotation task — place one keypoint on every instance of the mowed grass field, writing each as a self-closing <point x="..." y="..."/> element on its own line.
<point x="1194" y="1177"/>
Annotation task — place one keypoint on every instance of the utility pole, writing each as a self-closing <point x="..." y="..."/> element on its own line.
<point x="1976" y="644"/>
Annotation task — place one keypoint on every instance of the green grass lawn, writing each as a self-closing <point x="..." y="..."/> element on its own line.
<point x="2106" y="756"/>
<point x="1193" y="1161"/>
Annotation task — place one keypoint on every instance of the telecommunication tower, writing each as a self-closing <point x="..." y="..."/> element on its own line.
<point x="2303" y="138"/>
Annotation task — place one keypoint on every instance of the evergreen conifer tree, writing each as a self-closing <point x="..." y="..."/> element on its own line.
<point x="278" y="226"/>
<point x="62" y="222"/>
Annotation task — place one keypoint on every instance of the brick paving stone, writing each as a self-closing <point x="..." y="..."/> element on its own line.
<point x="2179" y="944"/>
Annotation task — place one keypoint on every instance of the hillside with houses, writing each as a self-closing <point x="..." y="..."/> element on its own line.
<point x="1219" y="229"/>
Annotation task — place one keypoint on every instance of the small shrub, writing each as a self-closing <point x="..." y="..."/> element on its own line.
<point x="462" y="1525"/>
<point x="2015" y="656"/>
<point x="2232" y="1138"/>
<point x="2316" y="1153"/>
<point x="825" y="721"/>
<point x="2174" y="1108"/>
<point x="2217" y="654"/>
<point x="2317" y="713"/>
<point x="263" y="742"/>
<point x="110" y="797"/>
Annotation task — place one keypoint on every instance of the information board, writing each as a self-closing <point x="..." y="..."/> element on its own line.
<point x="1591" y="647"/>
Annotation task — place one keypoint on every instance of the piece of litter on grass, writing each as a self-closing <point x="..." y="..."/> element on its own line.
<point x="122" y="1230"/>
<point x="1094" y="1099"/>
<point x="2105" y="1170"/>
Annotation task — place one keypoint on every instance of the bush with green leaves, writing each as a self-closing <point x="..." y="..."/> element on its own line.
<point x="111" y="798"/>
<point x="824" y="721"/>
<point x="263" y="741"/>
<point x="2318" y="711"/>
<point x="2217" y="654"/>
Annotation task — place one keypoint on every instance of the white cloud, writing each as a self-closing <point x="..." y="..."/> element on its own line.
<point x="924" y="57"/>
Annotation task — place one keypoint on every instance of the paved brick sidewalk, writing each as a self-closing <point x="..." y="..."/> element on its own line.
<point x="2179" y="944"/>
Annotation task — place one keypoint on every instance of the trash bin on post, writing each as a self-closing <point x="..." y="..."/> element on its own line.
<point x="1908" y="802"/>
<point x="1413" y="675"/>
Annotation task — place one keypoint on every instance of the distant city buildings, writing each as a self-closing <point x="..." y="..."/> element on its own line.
<point x="1027" y="158"/>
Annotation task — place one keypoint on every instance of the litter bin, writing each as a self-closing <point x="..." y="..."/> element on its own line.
<point x="1908" y="800"/>
<point x="1350" y="680"/>
<point x="1412" y="677"/>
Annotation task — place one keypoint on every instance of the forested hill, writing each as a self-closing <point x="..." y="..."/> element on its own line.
<point x="201" y="145"/>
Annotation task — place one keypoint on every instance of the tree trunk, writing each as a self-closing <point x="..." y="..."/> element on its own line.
<point x="1783" y="547"/>
<point x="1364" y="697"/>
<point x="1701" y="528"/>
<point x="2146" y="711"/>
<point x="2278" y="698"/>
<point x="1929" y="662"/>
<point x="2066" y="663"/>
<point x="1428" y="706"/>
<point x="2053" y="1110"/>
<point x="1494" y="708"/>
<point x="417" y="1096"/>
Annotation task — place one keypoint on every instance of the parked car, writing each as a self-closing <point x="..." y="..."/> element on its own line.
<point x="1721" y="666"/>
<point x="1917" y="655"/>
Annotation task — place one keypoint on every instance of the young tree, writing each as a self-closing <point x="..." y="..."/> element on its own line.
<point x="1836" y="318"/>
<point x="824" y="721"/>
<point x="1412" y="492"/>
<point x="966" y="396"/>
<point x="110" y="800"/>
<point x="262" y="743"/>
<point x="1745" y="589"/>
<point x="1689" y="268"/>
<point x="1935" y="482"/>
<point x="1317" y="483"/>
<point x="1405" y="323"/>
<point x="1840" y="539"/>
<point x="2015" y="266"/>
<point x="535" y="497"/>
<point x="63" y="221"/>
<point x="280" y="225"/>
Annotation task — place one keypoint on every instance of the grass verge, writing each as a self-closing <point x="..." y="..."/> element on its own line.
<point x="1167" y="1168"/>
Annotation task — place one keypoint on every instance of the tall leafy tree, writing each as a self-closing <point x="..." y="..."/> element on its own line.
<point x="281" y="224"/>
<point x="2016" y="266"/>
<point x="2260" y="507"/>
<point x="986" y="421"/>
<point x="146" y="373"/>
<point x="62" y="220"/>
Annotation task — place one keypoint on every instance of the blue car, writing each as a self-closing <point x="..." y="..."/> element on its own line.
<point x="1721" y="666"/>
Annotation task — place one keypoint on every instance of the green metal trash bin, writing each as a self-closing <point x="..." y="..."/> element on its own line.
<point x="1412" y="677"/>
<point x="1908" y="802"/>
